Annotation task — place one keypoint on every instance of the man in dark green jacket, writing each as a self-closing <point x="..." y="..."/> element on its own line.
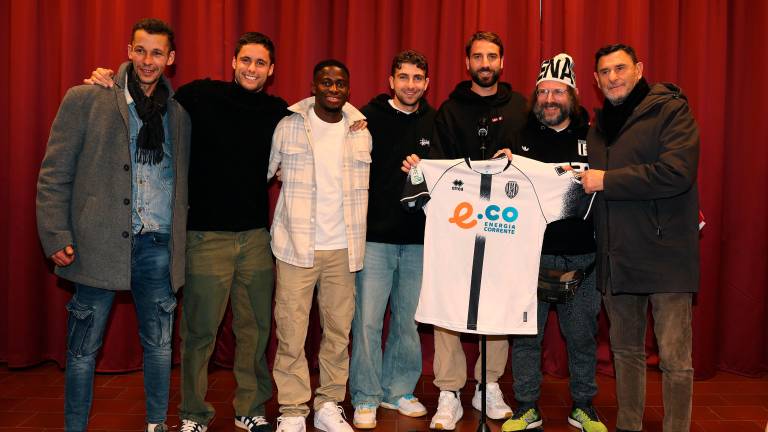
<point x="643" y="154"/>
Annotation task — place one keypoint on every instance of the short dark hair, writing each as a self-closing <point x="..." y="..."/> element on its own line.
<point x="486" y="36"/>
<point x="258" y="39"/>
<point x="609" y="49"/>
<point x="329" y="62"/>
<point x="411" y="57"/>
<point x="154" y="26"/>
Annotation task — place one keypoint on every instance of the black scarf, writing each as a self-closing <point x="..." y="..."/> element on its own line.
<point x="149" y="142"/>
<point x="614" y="116"/>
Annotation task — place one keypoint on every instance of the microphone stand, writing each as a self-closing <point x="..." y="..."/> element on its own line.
<point x="482" y="425"/>
<point x="482" y="133"/>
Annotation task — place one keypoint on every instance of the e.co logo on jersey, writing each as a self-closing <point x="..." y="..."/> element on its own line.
<point x="464" y="214"/>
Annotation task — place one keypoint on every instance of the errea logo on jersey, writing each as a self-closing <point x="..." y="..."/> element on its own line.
<point x="497" y="219"/>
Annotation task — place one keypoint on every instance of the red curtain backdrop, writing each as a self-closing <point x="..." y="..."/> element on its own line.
<point x="714" y="49"/>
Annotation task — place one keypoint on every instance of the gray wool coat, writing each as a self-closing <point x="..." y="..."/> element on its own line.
<point x="84" y="186"/>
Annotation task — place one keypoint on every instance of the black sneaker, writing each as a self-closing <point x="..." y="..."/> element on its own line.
<point x="253" y="424"/>
<point x="188" y="425"/>
<point x="162" y="427"/>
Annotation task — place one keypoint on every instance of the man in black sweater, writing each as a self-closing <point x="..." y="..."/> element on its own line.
<point x="228" y="251"/>
<point x="400" y="125"/>
<point x="556" y="132"/>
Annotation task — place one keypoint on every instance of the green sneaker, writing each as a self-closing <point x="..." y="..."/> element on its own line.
<point x="523" y="419"/>
<point x="586" y="419"/>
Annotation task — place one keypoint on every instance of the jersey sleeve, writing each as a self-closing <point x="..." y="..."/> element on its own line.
<point x="560" y="193"/>
<point x="415" y="192"/>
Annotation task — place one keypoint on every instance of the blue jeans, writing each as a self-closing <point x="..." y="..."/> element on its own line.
<point x="88" y="313"/>
<point x="390" y="273"/>
<point x="578" y="323"/>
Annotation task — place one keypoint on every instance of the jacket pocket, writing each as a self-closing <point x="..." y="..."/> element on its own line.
<point x="361" y="167"/>
<point x="295" y="163"/>
<point x="79" y="326"/>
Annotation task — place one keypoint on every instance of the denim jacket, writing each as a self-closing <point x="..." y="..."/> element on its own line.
<point x="152" y="185"/>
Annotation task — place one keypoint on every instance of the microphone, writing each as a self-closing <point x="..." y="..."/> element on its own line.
<point x="482" y="127"/>
<point x="482" y="132"/>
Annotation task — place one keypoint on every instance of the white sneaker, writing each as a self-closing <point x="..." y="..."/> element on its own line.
<point x="330" y="418"/>
<point x="192" y="426"/>
<point x="365" y="416"/>
<point x="291" y="424"/>
<point x="495" y="407"/>
<point x="449" y="411"/>
<point x="407" y="405"/>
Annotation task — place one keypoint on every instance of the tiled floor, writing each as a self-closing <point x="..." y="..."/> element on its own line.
<point x="31" y="400"/>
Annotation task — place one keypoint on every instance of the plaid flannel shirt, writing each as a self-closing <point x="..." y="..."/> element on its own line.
<point x="293" y="227"/>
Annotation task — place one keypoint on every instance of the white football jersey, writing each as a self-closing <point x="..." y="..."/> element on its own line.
<point x="482" y="242"/>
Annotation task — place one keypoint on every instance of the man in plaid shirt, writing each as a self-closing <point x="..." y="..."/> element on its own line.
<point x="318" y="238"/>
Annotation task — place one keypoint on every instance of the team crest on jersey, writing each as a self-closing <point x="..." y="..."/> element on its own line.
<point x="582" y="147"/>
<point x="424" y="142"/>
<point x="458" y="185"/>
<point x="512" y="189"/>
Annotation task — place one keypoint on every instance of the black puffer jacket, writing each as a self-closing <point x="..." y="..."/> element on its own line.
<point x="646" y="218"/>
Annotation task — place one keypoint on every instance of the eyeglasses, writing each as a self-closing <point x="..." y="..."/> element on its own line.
<point x="556" y="93"/>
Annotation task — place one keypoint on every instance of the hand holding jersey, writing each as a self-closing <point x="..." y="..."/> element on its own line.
<point x="413" y="160"/>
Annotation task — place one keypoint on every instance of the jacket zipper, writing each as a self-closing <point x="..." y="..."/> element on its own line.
<point x="656" y="219"/>
<point x="608" y="225"/>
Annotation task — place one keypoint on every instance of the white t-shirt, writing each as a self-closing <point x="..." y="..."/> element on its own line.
<point x="482" y="242"/>
<point x="328" y="150"/>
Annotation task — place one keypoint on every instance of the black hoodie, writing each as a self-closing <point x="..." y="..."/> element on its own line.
<point x="544" y="144"/>
<point x="395" y="135"/>
<point x="460" y="117"/>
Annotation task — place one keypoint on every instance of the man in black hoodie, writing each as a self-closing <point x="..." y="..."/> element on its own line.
<point x="643" y="155"/>
<point x="480" y="118"/>
<point x="400" y="125"/>
<point x="556" y="132"/>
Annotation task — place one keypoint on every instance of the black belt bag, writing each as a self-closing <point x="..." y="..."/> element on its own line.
<point x="559" y="286"/>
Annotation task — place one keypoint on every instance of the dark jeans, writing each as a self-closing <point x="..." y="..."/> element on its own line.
<point x="578" y="323"/>
<point x="672" y="325"/>
<point x="88" y="313"/>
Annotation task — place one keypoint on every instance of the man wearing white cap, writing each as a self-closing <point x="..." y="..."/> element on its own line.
<point x="556" y="132"/>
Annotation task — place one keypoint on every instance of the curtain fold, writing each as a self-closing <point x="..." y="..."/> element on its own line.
<point x="711" y="48"/>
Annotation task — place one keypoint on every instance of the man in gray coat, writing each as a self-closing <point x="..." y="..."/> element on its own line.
<point x="111" y="214"/>
<point x="643" y="156"/>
